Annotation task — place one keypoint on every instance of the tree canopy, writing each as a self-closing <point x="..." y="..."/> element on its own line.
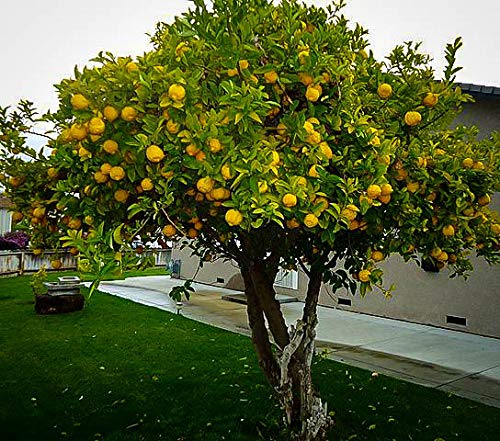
<point x="264" y="133"/>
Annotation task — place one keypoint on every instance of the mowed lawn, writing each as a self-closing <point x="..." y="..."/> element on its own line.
<point x="121" y="371"/>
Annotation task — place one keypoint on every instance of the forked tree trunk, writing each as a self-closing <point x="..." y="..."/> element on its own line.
<point x="285" y="354"/>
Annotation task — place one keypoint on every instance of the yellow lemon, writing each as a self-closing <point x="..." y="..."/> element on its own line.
<point x="232" y="72"/>
<point x="226" y="172"/>
<point x="214" y="145"/>
<point x="312" y="93"/>
<point x="205" y="185"/>
<point x="386" y="189"/>
<point x="233" y="217"/>
<point x="106" y="168"/>
<point x="96" y="126"/>
<point x="448" y="230"/>
<point x="84" y="153"/>
<point x="110" y="113"/>
<point x="292" y="223"/>
<point x="110" y="146"/>
<point x="147" y="184"/>
<point x="305" y="78"/>
<point x="154" y="153"/>
<point x="17" y="216"/>
<point x="301" y="181"/>
<point x="192" y="149"/>
<point x="413" y="118"/>
<point x="200" y="156"/>
<point x="169" y="230"/>
<point x="121" y="195"/>
<point x="75" y="224"/>
<point x="56" y="264"/>
<point x="413" y="187"/>
<point x="322" y="202"/>
<point x="314" y="138"/>
<point x="79" y="102"/>
<point x="100" y="177"/>
<point x="385" y="199"/>
<point x="443" y="256"/>
<point x="310" y="220"/>
<point x="176" y="92"/>
<point x="353" y="225"/>
<point x="430" y="99"/>
<point x="129" y="114"/>
<point x="377" y="256"/>
<point x="303" y="56"/>
<point x="384" y="91"/>
<point x="435" y="252"/>
<point x="132" y="67"/>
<point x="172" y="127"/>
<point x="364" y="275"/>
<point x="349" y="214"/>
<point x="289" y="200"/>
<point x="495" y="228"/>
<point x="313" y="173"/>
<point x="467" y="163"/>
<point x="117" y="173"/>
<point x="78" y="132"/>
<point x="484" y="200"/>
<point x="373" y="191"/>
<point x="478" y="165"/>
<point x="39" y="212"/>
<point x="325" y="150"/>
<point x="220" y="194"/>
<point x="281" y="129"/>
<point x="309" y="127"/>
<point x="243" y="64"/>
<point x="271" y="77"/>
<point x="263" y="187"/>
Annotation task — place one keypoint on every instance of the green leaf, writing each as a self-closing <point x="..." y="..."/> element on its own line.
<point x="117" y="235"/>
<point x="255" y="117"/>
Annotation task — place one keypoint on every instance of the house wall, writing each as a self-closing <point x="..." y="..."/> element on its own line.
<point x="5" y="221"/>
<point x="484" y="113"/>
<point x="419" y="296"/>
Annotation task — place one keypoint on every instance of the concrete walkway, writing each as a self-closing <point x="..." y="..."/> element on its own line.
<point x="464" y="364"/>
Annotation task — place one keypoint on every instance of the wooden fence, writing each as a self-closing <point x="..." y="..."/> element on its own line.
<point x="21" y="261"/>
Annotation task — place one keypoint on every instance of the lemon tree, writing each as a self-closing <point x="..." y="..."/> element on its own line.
<point x="270" y="135"/>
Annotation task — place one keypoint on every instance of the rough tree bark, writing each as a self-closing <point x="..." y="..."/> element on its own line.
<point x="288" y="366"/>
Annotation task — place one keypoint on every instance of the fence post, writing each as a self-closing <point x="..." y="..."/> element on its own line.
<point x="21" y="264"/>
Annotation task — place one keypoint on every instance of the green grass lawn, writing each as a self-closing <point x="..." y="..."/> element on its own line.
<point x="121" y="371"/>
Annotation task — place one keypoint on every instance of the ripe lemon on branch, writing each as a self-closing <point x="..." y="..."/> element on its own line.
<point x="79" y="102"/>
<point x="233" y="217"/>
<point x="154" y="153"/>
<point x="176" y="92"/>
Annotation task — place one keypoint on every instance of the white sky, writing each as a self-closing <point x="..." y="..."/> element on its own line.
<point x="42" y="40"/>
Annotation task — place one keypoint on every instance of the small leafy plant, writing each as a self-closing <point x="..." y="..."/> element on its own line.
<point x="37" y="281"/>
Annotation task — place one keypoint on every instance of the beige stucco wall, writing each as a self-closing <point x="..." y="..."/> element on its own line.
<point x="484" y="113"/>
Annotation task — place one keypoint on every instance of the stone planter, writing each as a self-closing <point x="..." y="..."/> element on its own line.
<point x="62" y="296"/>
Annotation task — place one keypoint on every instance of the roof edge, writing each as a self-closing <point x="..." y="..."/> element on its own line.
<point x="480" y="90"/>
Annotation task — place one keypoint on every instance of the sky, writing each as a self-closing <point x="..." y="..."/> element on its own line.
<point x="42" y="40"/>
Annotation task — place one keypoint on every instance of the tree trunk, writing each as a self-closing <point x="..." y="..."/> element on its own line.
<point x="288" y="366"/>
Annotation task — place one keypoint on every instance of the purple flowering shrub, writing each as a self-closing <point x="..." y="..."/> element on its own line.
<point x="14" y="240"/>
